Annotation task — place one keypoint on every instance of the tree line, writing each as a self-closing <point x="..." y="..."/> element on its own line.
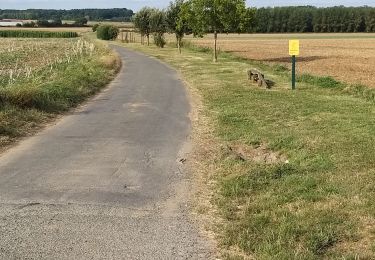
<point x="312" y="19"/>
<point x="196" y="17"/>
<point x="200" y="17"/>
<point x="114" y="14"/>
<point x="80" y="22"/>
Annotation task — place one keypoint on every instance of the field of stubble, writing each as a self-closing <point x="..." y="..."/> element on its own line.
<point x="346" y="57"/>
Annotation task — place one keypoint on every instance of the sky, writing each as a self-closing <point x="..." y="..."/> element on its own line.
<point x="137" y="4"/>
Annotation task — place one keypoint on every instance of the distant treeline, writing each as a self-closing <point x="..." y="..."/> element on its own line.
<point x="115" y="14"/>
<point x="313" y="19"/>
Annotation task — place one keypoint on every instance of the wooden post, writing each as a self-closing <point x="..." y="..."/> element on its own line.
<point x="215" y="46"/>
<point x="294" y="72"/>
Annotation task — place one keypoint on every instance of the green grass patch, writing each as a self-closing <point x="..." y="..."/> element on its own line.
<point x="317" y="203"/>
<point x="36" y="34"/>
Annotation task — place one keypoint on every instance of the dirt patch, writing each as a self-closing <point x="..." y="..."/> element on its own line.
<point x="257" y="154"/>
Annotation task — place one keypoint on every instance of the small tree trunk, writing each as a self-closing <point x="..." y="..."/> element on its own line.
<point x="215" y="46"/>
<point x="179" y="44"/>
<point x="148" y="40"/>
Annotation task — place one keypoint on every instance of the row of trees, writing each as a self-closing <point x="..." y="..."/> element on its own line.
<point x="194" y="16"/>
<point x="199" y="17"/>
<point x="114" y="14"/>
<point x="313" y="19"/>
<point x="55" y="23"/>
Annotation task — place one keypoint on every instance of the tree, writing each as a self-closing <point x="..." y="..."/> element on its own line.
<point x="42" y="23"/>
<point x="95" y="27"/>
<point x="177" y="20"/>
<point x="158" y="26"/>
<point x="142" y="22"/>
<point x="107" y="32"/>
<point x="81" y="21"/>
<point x="218" y="16"/>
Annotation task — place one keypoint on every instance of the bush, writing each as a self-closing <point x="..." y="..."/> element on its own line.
<point x="95" y="27"/>
<point x="81" y="21"/>
<point x="107" y="32"/>
<point x="45" y="23"/>
<point x="159" y="40"/>
<point x="29" y="25"/>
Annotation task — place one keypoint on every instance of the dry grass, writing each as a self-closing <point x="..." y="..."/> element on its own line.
<point x="20" y="57"/>
<point x="41" y="78"/>
<point x="345" y="57"/>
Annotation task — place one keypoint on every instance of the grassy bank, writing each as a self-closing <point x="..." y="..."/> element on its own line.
<point x="293" y="172"/>
<point x="37" y="83"/>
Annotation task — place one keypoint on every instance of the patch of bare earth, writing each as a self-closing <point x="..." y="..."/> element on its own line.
<point x="256" y="154"/>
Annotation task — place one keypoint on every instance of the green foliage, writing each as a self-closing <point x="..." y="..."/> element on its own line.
<point x="158" y="27"/>
<point x="36" y="34"/>
<point x="312" y="19"/>
<point x="142" y="21"/>
<point x="82" y="21"/>
<point x="218" y="16"/>
<point x="151" y="20"/>
<point x="107" y="32"/>
<point x="159" y="40"/>
<point x="324" y="82"/>
<point x="29" y="25"/>
<point x="177" y="21"/>
<point x="114" y="14"/>
<point x="45" y="23"/>
<point x="95" y="27"/>
<point x="157" y="22"/>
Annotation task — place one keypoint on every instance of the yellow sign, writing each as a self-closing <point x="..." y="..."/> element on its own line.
<point x="294" y="47"/>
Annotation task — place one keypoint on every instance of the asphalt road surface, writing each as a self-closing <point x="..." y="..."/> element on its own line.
<point x="105" y="181"/>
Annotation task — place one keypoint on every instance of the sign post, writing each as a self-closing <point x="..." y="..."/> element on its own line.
<point x="294" y="51"/>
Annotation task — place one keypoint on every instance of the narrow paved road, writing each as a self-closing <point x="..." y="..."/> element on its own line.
<point x="104" y="182"/>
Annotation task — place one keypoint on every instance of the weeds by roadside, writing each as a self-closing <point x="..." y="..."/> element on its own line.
<point x="316" y="202"/>
<point x="54" y="82"/>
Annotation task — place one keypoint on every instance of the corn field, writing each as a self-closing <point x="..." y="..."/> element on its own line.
<point x="23" y="59"/>
<point x="36" y="34"/>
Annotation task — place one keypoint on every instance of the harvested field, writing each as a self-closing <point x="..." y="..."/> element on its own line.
<point x="345" y="57"/>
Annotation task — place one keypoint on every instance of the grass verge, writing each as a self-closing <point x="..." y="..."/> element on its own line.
<point x="30" y="102"/>
<point x="292" y="172"/>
